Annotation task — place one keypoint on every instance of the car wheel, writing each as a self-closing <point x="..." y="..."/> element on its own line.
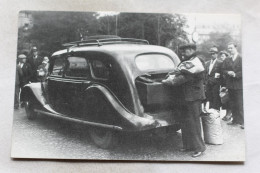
<point x="29" y="109"/>
<point x="103" y="138"/>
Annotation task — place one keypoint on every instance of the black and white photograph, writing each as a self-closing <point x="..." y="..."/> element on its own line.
<point x="129" y="86"/>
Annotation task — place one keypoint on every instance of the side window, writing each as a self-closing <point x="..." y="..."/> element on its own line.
<point x="100" y="69"/>
<point x="77" y="67"/>
<point x="58" y="67"/>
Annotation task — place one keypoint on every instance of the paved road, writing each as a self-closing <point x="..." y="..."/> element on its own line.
<point x="51" y="138"/>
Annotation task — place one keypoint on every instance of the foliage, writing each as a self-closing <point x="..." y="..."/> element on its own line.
<point x="51" y="29"/>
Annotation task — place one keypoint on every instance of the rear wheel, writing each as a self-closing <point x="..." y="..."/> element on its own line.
<point x="29" y="109"/>
<point x="97" y="110"/>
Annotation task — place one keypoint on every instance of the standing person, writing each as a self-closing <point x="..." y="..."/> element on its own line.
<point x="213" y="79"/>
<point x="43" y="69"/>
<point x="232" y="69"/>
<point x="35" y="60"/>
<point x="228" y="117"/>
<point x="19" y="74"/>
<point x="193" y="92"/>
<point x="26" y="70"/>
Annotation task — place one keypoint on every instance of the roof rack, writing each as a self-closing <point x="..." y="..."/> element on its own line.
<point x="100" y="42"/>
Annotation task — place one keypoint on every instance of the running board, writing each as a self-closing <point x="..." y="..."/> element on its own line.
<point x="64" y="117"/>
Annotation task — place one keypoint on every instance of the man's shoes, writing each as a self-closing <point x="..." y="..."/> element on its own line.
<point x="227" y="118"/>
<point x="183" y="150"/>
<point x="231" y="123"/>
<point x="197" y="154"/>
<point x="242" y="127"/>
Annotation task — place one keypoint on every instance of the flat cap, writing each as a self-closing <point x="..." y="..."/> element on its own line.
<point x="224" y="52"/>
<point x="21" y="56"/>
<point x="189" y="45"/>
<point x="213" y="50"/>
<point x="34" y="48"/>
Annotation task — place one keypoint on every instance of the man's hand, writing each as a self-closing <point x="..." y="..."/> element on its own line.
<point x="231" y="73"/>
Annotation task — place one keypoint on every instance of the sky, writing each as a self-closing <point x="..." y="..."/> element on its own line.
<point x="211" y="19"/>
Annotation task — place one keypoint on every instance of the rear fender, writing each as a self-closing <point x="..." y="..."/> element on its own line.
<point x="138" y="122"/>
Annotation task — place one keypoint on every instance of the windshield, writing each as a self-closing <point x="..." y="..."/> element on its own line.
<point x="154" y="62"/>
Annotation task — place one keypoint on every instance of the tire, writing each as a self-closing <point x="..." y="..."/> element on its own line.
<point x="103" y="138"/>
<point x="29" y="109"/>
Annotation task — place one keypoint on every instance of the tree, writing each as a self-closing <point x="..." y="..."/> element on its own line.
<point x="51" y="29"/>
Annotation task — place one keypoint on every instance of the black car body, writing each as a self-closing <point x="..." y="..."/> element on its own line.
<point x="109" y="84"/>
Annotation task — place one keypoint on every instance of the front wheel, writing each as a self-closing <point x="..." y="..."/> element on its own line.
<point x="103" y="138"/>
<point x="29" y="109"/>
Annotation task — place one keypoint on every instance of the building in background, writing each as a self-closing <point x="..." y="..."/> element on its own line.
<point x="204" y="24"/>
<point x="25" y="20"/>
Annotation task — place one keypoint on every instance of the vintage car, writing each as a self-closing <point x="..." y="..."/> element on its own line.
<point x="112" y="85"/>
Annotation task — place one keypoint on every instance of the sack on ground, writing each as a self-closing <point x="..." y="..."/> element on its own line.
<point x="212" y="129"/>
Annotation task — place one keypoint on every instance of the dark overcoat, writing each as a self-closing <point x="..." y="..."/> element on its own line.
<point x="213" y="84"/>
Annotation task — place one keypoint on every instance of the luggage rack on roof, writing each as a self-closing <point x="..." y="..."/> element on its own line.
<point x="100" y="42"/>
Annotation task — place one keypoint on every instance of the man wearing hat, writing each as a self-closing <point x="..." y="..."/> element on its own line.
<point x="213" y="79"/>
<point x="35" y="60"/>
<point x="193" y="94"/>
<point x="232" y="69"/>
<point x="23" y="76"/>
<point x="26" y="70"/>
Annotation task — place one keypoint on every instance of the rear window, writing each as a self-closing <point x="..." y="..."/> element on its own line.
<point x="154" y="62"/>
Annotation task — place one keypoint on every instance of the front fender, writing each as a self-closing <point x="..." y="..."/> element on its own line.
<point x="34" y="91"/>
<point x="140" y="123"/>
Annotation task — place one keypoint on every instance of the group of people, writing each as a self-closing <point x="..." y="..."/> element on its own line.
<point x="201" y="82"/>
<point x="29" y="69"/>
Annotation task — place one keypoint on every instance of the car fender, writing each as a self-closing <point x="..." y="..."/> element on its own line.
<point x="137" y="121"/>
<point x="35" y="90"/>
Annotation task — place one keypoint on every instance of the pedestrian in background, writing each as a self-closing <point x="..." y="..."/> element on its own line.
<point x="232" y="69"/>
<point x="34" y="60"/>
<point x="26" y="70"/>
<point x="43" y="69"/>
<point x="228" y="117"/>
<point x="18" y="76"/>
<point x="213" y="79"/>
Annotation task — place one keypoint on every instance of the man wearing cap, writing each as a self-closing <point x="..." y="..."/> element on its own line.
<point x="26" y="70"/>
<point x="35" y="60"/>
<point x="213" y="79"/>
<point x="24" y="74"/>
<point x="193" y="93"/>
<point x="232" y="69"/>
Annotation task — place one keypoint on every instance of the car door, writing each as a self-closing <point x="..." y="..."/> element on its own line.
<point x="76" y="80"/>
<point x="56" y="83"/>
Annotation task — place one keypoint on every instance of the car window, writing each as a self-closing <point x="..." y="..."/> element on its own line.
<point x="77" y="67"/>
<point x="154" y="62"/>
<point x="100" y="69"/>
<point x="58" y="67"/>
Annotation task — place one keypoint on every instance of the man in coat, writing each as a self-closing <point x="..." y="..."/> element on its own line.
<point x="19" y="74"/>
<point x="213" y="79"/>
<point x="232" y="69"/>
<point x="193" y="93"/>
<point x="26" y="70"/>
<point x="35" y="60"/>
